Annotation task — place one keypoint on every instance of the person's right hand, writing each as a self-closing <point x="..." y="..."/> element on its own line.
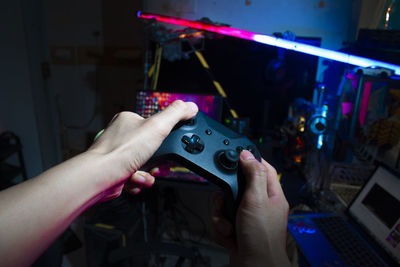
<point x="260" y="236"/>
<point x="128" y="142"/>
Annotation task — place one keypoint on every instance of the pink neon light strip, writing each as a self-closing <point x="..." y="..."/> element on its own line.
<point x="200" y="25"/>
<point x="364" y="102"/>
<point x="274" y="41"/>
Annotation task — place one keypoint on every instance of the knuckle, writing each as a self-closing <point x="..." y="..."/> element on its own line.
<point x="160" y="127"/>
<point x="124" y="114"/>
<point x="273" y="171"/>
<point x="254" y="202"/>
<point x="259" y="169"/>
<point x="127" y="115"/>
<point x="178" y="104"/>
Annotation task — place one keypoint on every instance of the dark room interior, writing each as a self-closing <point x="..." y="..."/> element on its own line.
<point x="292" y="160"/>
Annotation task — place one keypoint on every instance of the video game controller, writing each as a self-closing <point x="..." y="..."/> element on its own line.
<point x="211" y="150"/>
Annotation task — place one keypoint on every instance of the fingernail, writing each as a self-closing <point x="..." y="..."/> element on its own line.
<point x="136" y="190"/>
<point x="246" y="155"/>
<point x="139" y="178"/>
<point x="192" y="106"/>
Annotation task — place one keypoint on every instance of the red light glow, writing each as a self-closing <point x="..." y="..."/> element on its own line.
<point x="274" y="41"/>
<point x="199" y="25"/>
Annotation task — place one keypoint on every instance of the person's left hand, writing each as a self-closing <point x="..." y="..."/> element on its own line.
<point x="130" y="140"/>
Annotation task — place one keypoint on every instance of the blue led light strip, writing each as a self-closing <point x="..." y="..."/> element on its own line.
<point x="325" y="53"/>
<point x="274" y="41"/>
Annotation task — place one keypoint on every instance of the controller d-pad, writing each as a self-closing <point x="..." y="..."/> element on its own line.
<point x="192" y="144"/>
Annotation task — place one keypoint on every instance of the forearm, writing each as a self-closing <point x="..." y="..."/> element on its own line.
<point x="34" y="213"/>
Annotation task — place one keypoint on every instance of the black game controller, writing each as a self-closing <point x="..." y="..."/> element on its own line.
<point x="211" y="150"/>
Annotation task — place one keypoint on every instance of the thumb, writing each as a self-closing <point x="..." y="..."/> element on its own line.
<point x="175" y="112"/>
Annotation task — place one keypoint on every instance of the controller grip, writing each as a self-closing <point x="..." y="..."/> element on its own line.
<point x="230" y="209"/>
<point x="231" y="205"/>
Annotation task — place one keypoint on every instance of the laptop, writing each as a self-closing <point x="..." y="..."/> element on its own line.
<point x="367" y="234"/>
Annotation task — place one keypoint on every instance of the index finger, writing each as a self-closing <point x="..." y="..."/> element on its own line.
<point x="273" y="186"/>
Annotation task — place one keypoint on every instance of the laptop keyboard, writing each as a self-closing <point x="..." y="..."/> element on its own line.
<point x="350" y="248"/>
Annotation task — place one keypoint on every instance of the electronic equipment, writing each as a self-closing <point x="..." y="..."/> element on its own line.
<point x="368" y="234"/>
<point x="346" y="180"/>
<point x="211" y="150"/>
<point x="305" y="129"/>
<point x="151" y="102"/>
<point x="271" y="40"/>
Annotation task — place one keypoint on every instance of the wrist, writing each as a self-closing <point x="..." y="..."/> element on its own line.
<point x="105" y="170"/>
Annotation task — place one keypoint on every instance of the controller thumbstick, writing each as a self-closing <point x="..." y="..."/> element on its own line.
<point x="228" y="159"/>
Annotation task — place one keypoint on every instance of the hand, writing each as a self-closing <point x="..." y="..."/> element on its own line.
<point x="52" y="201"/>
<point x="260" y="238"/>
<point x="130" y="141"/>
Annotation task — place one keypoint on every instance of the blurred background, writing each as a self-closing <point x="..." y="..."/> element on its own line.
<point x="66" y="68"/>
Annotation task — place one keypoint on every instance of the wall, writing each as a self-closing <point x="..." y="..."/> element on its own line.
<point x="93" y="44"/>
<point x="17" y="106"/>
<point x="71" y="24"/>
<point x="335" y="21"/>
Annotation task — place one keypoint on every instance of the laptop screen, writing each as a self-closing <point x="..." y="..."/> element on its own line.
<point x="377" y="208"/>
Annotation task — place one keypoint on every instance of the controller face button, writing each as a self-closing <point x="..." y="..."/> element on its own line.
<point x="251" y="149"/>
<point x="226" y="142"/>
<point x="208" y="132"/>
<point x="239" y="149"/>
<point x="228" y="159"/>
<point x="192" y="144"/>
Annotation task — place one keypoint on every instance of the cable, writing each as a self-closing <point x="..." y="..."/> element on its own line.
<point x="197" y="216"/>
<point x="217" y="85"/>
<point x="155" y="69"/>
<point x="177" y="214"/>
